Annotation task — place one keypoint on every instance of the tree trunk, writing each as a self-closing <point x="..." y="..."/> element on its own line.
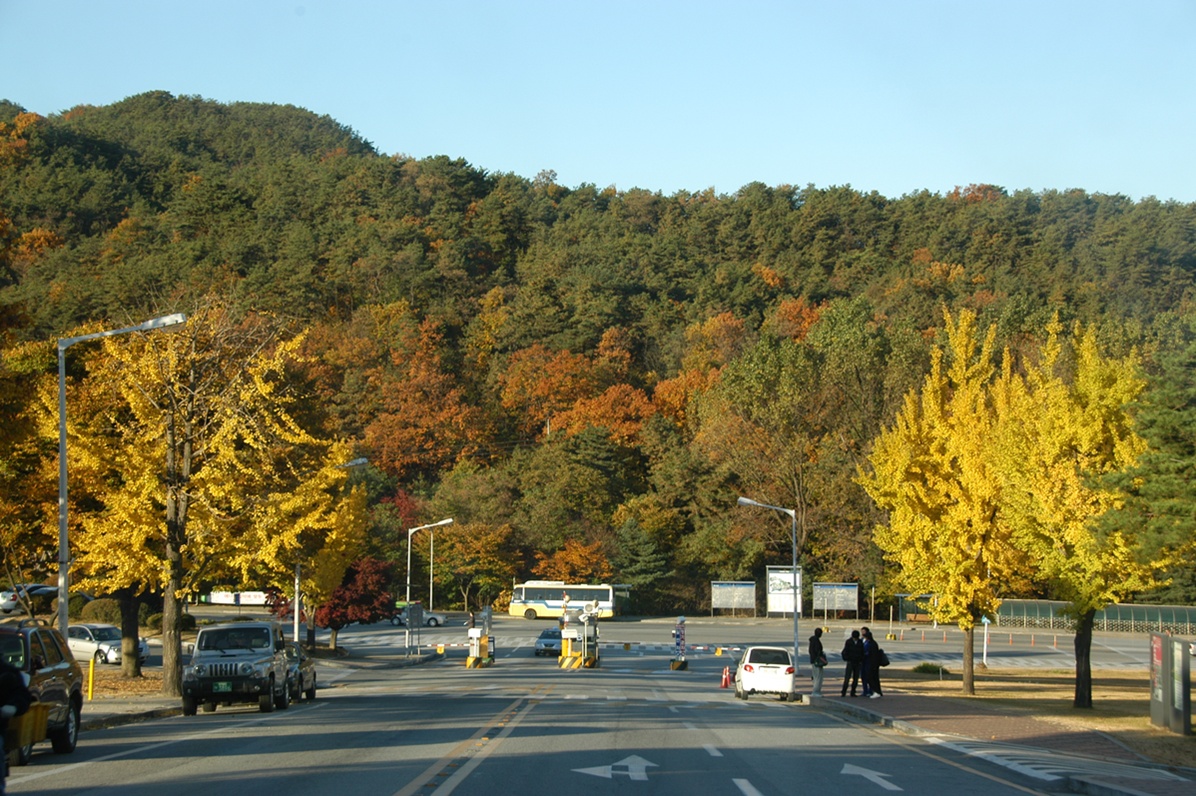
<point x="332" y="638"/>
<point x="130" y="662"/>
<point x="1083" y="647"/>
<point x="969" y="663"/>
<point x="311" y="628"/>
<point x="178" y="472"/>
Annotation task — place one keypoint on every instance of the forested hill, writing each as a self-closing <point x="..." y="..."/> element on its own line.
<point x="628" y="302"/>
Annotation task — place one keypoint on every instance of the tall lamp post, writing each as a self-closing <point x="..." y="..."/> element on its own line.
<point x="410" y="533"/>
<point x="64" y="556"/>
<point x="793" y="516"/>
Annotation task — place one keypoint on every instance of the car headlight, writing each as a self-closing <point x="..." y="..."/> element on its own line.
<point x="197" y="670"/>
<point x="248" y="668"/>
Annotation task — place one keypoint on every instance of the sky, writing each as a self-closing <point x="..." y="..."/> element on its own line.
<point x="890" y="96"/>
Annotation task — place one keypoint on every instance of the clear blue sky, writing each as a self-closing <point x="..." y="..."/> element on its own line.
<point x="886" y="95"/>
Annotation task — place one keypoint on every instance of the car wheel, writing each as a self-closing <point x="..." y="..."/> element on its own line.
<point x="265" y="702"/>
<point x="64" y="739"/>
<point x="283" y="700"/>
<point x="209" y="707"/>
<point x="311" y="692"/>
<point x="529" y="614"/>
<point x="24" y="754"/>
<point x="190" y="705"/>
<point x="433" y="621"/>
<point x="100" y="657"/>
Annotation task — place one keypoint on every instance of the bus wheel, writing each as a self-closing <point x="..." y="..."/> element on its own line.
<point x="529" y="614"/>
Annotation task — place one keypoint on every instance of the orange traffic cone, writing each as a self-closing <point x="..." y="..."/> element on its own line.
<point x="726" y="677"/>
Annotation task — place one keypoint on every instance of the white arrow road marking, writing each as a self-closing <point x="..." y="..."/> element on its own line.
<point x="746" y="788"/>
<point x="875" y="777"/>
<point x="634" y="767"/>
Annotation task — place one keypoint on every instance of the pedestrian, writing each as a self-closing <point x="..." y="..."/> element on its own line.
<point x="871" y="665"/>
<point x="853" y="656"/>
<point x="14" y="700"/>
<point x="817" y="661"/>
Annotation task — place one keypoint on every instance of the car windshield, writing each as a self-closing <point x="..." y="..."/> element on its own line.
<point x="551" y="633"/>
<point x="235" y="638"/>
<point x="768" y="656"/>
<point x="106" y="633"/>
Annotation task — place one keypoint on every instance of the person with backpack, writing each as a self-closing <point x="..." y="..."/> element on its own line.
<point x="15" y="699"/>
<point x="817" y="661"/>
<point x="872" y="653"/>
<point x="853" y="656"/>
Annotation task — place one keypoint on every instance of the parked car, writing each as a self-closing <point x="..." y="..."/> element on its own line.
<point x="55" y="679"/>
<point x="302" y="672"/>
<point x="430" y="618"/>
<point x="765" y="670"/>
<point x="549" y="642"/>
<point x="9" y="601"/>
<point x="100" y="642"/>
<point x="236" y="663"/>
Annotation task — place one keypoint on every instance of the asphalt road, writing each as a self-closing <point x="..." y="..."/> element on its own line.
<point x="522" y="726"/>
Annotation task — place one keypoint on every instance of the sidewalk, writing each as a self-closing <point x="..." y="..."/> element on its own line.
<point x="919" y="715"/>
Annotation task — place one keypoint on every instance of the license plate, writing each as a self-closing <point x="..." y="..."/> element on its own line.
<point x="222" y="687"/>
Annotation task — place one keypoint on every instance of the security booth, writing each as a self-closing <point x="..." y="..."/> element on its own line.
<point x="481" y="641"/>
<point x="579" y="637"/>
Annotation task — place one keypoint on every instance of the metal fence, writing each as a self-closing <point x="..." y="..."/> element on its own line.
<point x="1179" y="619"/>
<point x="1048" y="614"/>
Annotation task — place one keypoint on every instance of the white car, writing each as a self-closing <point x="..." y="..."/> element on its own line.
<point x="8" y="597"/>
<point x="431" y="618"/>
<point x="100" y="642"/>
<point x="765" y="670"/>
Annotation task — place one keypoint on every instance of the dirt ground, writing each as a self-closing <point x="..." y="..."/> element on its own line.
<point x="1121" y="702"/>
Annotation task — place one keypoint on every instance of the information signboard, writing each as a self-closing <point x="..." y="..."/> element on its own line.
<point x="780" y="585"/>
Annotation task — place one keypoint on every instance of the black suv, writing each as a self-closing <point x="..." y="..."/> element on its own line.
<point x="54" y="679"/>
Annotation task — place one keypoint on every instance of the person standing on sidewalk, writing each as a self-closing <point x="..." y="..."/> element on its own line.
<point x="871" y="665"/>
<point x="817" y="661"/>
<point x="853" y="656"/>
<point x="15" y="699"/>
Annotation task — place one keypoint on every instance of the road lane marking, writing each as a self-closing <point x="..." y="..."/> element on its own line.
<point x="712" y="750"/>
<point x="875" y="777"/>
<point x="746" y="788"/>
<point x="635" y="768"/>
<point x="476" y="747"/>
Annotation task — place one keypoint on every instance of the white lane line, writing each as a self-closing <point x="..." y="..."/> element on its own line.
<point x="689" y="725"/>
<point x="746" y="788"/>
<point x="712" y="750"/>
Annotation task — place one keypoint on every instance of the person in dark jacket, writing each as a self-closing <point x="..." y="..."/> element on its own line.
<point x="817" y="661"/>
<point x="871" y="665"/>
<point x="853" y="656"/>
<point x="14" y="700"/>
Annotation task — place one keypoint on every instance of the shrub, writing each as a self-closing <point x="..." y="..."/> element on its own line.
<point x="154" y="623"/>
<point x="926" y="667"/>
<point x="107" y="611"/>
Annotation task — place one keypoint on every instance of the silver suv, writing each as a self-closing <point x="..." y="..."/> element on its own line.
<point x="237" y="663"/>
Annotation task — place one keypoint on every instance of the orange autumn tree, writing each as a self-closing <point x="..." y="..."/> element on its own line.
<point x="621" y="409"/>
<point x="540" y="383"/>
<point x="576" y="562"/>
<point x="424" y="423"/>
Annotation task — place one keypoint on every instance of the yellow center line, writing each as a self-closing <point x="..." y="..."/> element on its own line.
<point x="446" y="773"/>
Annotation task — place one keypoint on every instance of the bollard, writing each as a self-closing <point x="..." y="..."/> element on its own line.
<point x="1010" y="638"/>
<point x="1031" y="639"/>
<point x="923" y="635"/>
<point x="903" y="634"/>
<point x="944" y="636"/>
<point x="1056" y="642"/>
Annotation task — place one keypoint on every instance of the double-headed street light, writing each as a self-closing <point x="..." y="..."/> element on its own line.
<point x="793" y="516"/>
<point x="410" y="533"/>
<point x="64" y="557"/>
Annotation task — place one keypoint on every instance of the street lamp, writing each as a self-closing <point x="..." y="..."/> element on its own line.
<point x="793" y="516"/>
<point x="410" y="533"/>
<point x="64" y="343"/>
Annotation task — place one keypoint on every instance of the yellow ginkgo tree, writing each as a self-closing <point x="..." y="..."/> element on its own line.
<point x="187" y="463"/>
<point x="934" y="473"/>
<point x="1065" y="424"/>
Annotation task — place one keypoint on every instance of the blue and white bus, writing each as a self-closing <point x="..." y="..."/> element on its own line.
<point x="548" y="598"/>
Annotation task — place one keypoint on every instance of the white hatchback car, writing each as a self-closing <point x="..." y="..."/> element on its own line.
<point x="765" y="670"/>
<point x="101" y="642"/>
